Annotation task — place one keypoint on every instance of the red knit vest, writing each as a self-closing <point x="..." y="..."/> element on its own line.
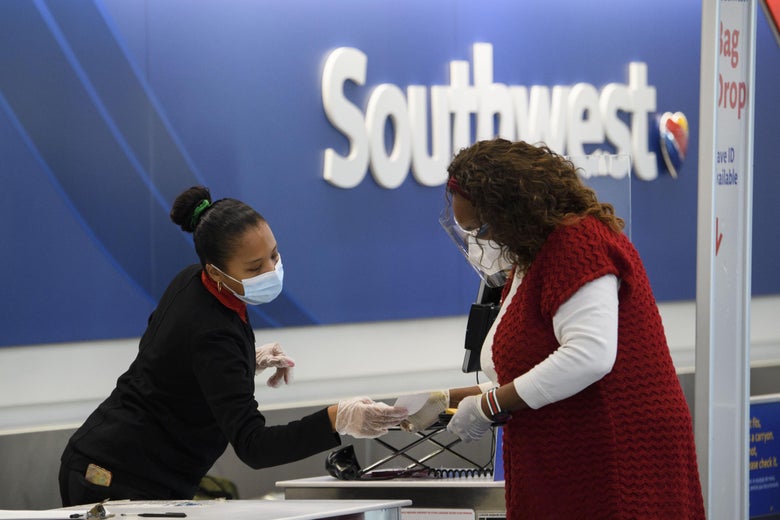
<point x="621" y="448"/>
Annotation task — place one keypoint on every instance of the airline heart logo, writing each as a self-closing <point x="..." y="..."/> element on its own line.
<point x="673" y="136"/>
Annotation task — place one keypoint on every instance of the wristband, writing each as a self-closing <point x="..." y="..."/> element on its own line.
<point x="499" y="416"/>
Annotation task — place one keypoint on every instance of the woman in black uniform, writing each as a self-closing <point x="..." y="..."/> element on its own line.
<point x="190" y="390"/>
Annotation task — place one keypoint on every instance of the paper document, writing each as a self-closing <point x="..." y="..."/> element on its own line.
<point x="412" y="402"/>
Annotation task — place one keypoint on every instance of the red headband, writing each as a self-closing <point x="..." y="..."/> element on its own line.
<point x="453" y="186"/>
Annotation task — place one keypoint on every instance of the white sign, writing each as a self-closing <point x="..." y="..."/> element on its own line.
<point x="566" y="118"/>
<point x="723" y="268"/>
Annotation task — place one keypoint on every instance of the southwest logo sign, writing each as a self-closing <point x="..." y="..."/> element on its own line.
<point x="566" y="117"/>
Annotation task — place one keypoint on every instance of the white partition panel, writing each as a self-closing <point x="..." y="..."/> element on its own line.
<point x="723" y="254"/>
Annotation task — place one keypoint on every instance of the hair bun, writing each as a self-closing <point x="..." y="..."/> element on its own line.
<point x="189" y="206"/>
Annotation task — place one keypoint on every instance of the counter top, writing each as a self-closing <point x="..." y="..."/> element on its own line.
<point x="234" y="509"/>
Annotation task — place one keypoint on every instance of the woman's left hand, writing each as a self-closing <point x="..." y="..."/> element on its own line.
<point x="271" y="355"/>
<point x="469" y="423"/>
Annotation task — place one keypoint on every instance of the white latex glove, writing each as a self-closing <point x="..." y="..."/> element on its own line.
<point x="437" y="402"/>
<point x="361" y="417"/>
<point x="271" y="355"/>
<point x="469" y="423"/>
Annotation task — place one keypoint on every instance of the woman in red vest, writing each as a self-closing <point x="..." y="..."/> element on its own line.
<point x="596" y="423"/>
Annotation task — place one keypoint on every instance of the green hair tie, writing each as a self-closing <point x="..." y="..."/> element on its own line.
<point x="199" y="209"/>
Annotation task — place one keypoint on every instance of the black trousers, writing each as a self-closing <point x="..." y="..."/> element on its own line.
<point x="76" y="490"/>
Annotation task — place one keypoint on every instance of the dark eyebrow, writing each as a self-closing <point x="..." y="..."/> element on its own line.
<point x="274" y="251"/>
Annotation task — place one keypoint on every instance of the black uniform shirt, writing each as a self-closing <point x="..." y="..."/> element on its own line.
<point x="188" y="393"/>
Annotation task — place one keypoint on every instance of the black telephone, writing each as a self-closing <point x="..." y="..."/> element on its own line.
<point x="481" y="316"/>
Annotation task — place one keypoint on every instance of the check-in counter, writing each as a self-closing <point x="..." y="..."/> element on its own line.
<point x="481" y="494"/>
<point x="227" y="509"/>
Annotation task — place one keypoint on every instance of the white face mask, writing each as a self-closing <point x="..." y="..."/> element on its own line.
<point x="487" y="256"/>
<point x="262" y="288"/>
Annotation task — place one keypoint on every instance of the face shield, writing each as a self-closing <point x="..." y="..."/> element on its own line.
<point x="485" y="256"/>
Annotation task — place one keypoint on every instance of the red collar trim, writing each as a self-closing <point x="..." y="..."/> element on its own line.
<point x="226" y="298"/>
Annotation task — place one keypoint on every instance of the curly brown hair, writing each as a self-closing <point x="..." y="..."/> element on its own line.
<point x="524" y="192"/>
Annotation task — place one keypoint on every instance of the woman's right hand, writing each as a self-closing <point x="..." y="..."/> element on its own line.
<point x="437" y="403"/>
<point x="361" y="417"/>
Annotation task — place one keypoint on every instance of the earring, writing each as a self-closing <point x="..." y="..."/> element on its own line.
<point x="219" y="286"/>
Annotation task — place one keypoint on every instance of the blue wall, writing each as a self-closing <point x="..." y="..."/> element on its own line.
<point x="109" y="108"/>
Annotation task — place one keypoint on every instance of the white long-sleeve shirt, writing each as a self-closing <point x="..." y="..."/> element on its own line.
<point x="585" y="326"/>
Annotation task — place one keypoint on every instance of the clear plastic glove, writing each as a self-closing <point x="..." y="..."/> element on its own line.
<point x="437" y="402"/>
<point x="361" y="417"/>
<point x="271" y="355"/>
<point x="469" y="423"/>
